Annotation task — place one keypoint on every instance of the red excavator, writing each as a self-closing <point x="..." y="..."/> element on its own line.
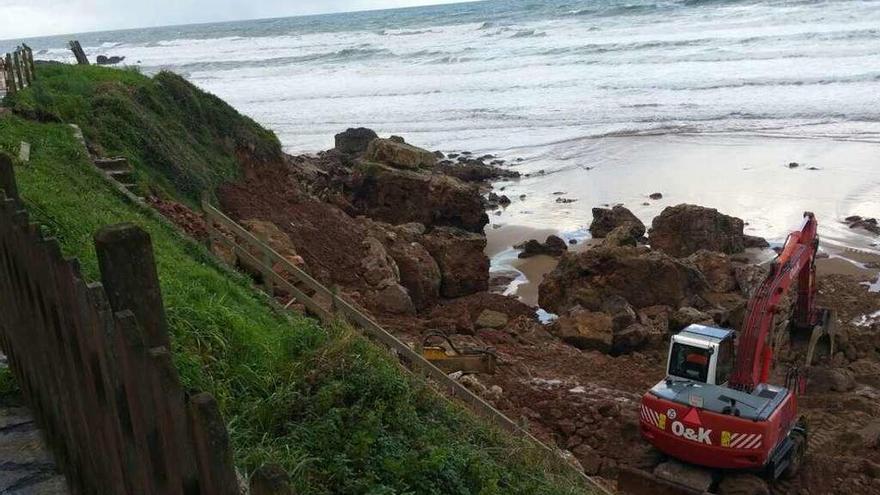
<point x="715" y="414"/>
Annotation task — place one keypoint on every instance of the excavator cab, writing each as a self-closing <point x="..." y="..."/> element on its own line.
<point x="701" y="354"/>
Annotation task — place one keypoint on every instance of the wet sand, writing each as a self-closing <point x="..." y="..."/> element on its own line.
<point x="743" y="176"/>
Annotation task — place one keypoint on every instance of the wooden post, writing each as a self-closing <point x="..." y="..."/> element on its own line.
<point x="7" y="177"/>
<point x="211" y="446"/>
<point x="78" y="52"/>
<point x="128" y="273"/>
<point x="16" y="56"/>
<point x="10" y="76"/>
<point x="30" y="59"/>
<point x="25" y="65"/>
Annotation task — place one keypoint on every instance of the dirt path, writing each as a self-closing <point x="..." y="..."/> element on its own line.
<point x="26" y="466"/>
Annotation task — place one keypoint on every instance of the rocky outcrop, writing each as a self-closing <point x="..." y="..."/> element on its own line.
<point x="354" y="140"/>
<point x="381" y="272"/>
<point x="685" y="229"/>
<point x="640" y="276"/>
<point x="474" y="170"/>
<point x="553" y="246"/>
<point x="396" y="153"/>
<point x="111" y="60"/>
<point x="403" y="196"/>
<point x="418" y="271"/>
<point x="869" y="224"/>
<point x="607" y="219"/>
<point x="464" y="267"/>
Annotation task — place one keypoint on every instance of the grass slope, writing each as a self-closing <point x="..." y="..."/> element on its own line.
<point x="180" y="139"/>
<point x="327" y="405"/>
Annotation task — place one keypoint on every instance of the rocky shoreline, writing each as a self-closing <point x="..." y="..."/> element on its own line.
<point x="401" y="232"/>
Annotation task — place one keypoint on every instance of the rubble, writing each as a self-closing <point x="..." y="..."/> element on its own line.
<point x="576" y="382"/>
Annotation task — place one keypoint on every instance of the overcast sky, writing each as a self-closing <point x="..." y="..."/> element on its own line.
<point x="26" y="18"/>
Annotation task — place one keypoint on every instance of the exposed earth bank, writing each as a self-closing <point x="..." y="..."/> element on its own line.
<point x="400" y="231"/>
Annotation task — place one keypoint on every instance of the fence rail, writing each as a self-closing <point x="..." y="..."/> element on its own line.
<point x="92" y="362"/>
<point x="244" y="244"/>
<point x="17" y="68"/>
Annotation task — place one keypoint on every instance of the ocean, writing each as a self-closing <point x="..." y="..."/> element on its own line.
<point x="606" y="101"/>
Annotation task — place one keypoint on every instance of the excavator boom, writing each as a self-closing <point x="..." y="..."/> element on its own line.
<point x="796" y="261"/>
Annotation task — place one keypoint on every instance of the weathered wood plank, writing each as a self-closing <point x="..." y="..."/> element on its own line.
<point x="10" y="75"/>
<point x="24" y="152"/>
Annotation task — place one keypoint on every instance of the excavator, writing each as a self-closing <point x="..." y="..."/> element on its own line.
<point x="722" y="426"/>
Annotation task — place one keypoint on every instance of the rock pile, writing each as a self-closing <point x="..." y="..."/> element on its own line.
<point x="618" y="297"/>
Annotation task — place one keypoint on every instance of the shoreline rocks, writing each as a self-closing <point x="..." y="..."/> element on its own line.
<point x="684" y="229"/>
<point x="354" y="140"/>
<point x="869" y="224"/>
<point x="606" y="220"/>
<point x="553" y="246"/>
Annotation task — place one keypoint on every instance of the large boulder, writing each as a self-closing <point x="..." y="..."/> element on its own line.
<point x="418" y="271"/>
<point x="398" y="154"/>
<point x="353" y="141"/>
<point x="395" y="299"/>
<point x="717" y="268"/>
<point x="599" y="331"/>
<point x="403" y="196"/>
<point x="464" y="267"/>
<point x="379" y="269"/>
<point x="588" y="330"/>
<point x="683" y="317"/>
<point x="607" y="219"/>
<point x="685" y="229"/>
<point x="640" y="276"/>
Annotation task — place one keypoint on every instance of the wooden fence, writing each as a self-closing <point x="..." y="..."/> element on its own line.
<point x="17" y="69"/>
<point x="328" y="305"/>
<point x="93" y="363"/>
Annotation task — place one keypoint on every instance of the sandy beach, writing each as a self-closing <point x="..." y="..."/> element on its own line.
<point x="747" y="177"/>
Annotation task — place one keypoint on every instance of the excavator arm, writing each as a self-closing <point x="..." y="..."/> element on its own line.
<point x="796" y="261"/>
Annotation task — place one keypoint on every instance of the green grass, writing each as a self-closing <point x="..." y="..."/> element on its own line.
<point x="181" y="140"/>
<point x="326" y="404"/>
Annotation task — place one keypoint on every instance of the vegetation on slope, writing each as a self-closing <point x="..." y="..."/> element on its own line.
<point x="326" y="404"/>
<point x="180" y="139"/>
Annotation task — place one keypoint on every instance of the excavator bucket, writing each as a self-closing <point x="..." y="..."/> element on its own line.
<point x="823" y="336"/>
<point x="638" y="482"/>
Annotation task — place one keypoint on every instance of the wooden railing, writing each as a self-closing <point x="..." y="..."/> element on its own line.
<point x="93" y="363"/>
<point x="329" y="306"/>
<point x="17" y="69"/>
